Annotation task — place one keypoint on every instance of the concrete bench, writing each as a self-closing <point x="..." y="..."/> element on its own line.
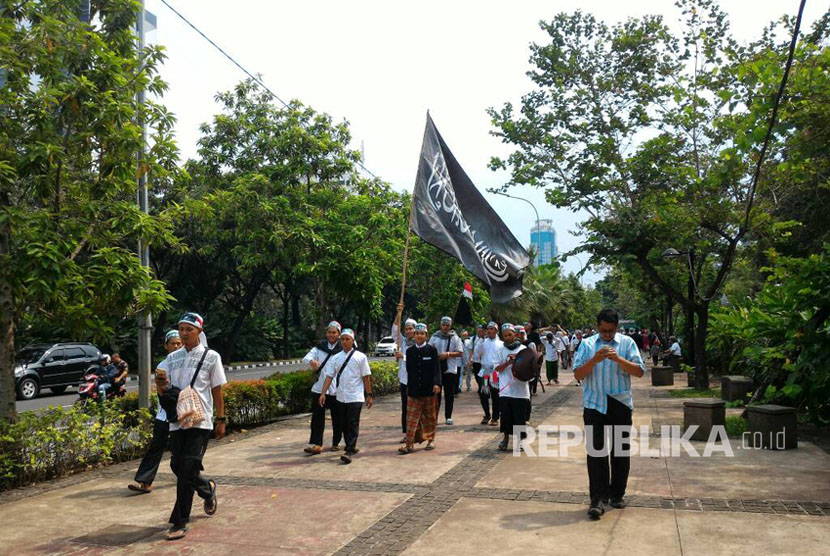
<point x="662" y="376"/>
<point x="705" y="414"/>
<point x="736" y="387"/>
<point x="774" y="427"/>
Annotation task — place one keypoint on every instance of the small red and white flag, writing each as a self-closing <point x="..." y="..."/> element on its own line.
<point x="468" y="291"/>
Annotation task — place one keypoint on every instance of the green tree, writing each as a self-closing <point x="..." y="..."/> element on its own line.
<point x="655" y="137"/>
<point x="69" y="134"/>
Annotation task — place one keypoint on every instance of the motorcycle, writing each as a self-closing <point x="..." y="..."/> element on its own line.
<point x="88" y="388"/>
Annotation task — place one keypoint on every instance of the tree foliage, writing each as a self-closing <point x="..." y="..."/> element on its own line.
<point x="69" y="133"/>
<point x="655" y="136"/>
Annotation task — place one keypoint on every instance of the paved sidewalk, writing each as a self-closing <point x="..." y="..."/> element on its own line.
<point x="463" y="498"/>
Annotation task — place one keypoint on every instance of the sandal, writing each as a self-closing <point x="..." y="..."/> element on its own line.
<point x="176" y="532"/>
<point x="345" y="458"/>
<point x="430" y="446"/>
<point x="405" y="450"/>
<point x="211" y="503"/>
<point x="485" y="420"/>
<point x="142" y="488"/>
<point x="503" y="446"/>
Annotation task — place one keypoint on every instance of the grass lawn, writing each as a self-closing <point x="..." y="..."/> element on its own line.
<point x="695" y="393"/>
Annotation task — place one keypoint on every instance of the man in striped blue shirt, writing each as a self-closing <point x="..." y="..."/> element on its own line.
<point x="605" y="363"/>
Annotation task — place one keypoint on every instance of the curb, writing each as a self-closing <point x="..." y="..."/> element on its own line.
<point x="266" y="364"/>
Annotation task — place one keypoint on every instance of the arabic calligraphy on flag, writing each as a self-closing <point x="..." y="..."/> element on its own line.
<point x="451" y="214"/>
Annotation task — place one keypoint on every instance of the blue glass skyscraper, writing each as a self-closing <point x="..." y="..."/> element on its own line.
<point x="543" y="240"/>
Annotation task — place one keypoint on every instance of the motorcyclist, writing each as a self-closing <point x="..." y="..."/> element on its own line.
<point x="107" y="374"/>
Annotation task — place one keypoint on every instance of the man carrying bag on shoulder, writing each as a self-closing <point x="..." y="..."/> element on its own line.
<point x="195" y="376"/>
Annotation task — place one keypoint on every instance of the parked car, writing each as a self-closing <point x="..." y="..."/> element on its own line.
<point x="385" y="347"/>
<point x="54" y="366"/>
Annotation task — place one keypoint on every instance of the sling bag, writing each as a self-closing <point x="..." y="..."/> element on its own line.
<point x="189" y="408"/>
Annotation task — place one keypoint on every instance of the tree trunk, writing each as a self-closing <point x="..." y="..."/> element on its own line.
<point x="247" y="306"/>
<point x="286" y="306"/>
<point x="321" y="308"/>
<point x="701" y="371"/>
<point x="7" y="383"/>
<point x="689" y="336"/>
<point x="295" y="310"/>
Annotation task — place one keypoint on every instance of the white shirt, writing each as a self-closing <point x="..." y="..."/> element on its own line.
<point x="467" y="354"/>
<point x="475" y="348"/>
<point x="455" y="345"/>
<point x="350" y="388"/>
<point x="565" y="340"/>
<point x="161" y="415"/>
<point x="181" y="364"/>
<point x="510" y="386"/>
<point x="675" y="349"/>
<point x="489" y="355"/>
<point x="560" y="345"/>
<point x="572" y="343"/>
<point x="319" y="355"/>
<point x="550" y="350"/>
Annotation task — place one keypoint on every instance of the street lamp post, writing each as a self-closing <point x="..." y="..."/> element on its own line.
<point x="538" y="232"/>
<point x="145" y="320"/>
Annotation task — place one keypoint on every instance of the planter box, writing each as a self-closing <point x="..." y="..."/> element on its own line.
<point x="691" y="380"/>
<point x="705" y="414"/>
<point x="662" y="376"/>
<point x="774" y="427"/>
<point x="736" y="387"/>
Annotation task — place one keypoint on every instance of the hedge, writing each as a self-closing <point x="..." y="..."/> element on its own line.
<point x="57" y="441"/>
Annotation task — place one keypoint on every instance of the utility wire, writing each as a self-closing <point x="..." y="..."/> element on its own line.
<point x="773" y="117"/>
<point x="253" y="77"/>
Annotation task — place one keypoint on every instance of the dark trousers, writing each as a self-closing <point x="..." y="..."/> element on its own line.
<point x="654" y="359"/>
<point x="187" y="449"/>
<point x="485" y="400"/>
<point x="494" y="398"/>
<point x="674" y="363"/>
<point x="607" y="481"/>
<point x="514" y="412"/>
<point x="350" y="417"/>
<point x="150" y="462"/>
<point x="403" y="407"/>
<point x="318" y="420"/>
<point x="449" y="382"/>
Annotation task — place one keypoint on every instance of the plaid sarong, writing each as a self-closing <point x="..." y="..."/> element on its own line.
<point x="421" y="419"/>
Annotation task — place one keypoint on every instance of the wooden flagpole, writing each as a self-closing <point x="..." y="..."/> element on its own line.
<point x="405" y="263"/>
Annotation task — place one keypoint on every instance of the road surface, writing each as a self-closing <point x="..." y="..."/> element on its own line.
<point x="67" y="398"/>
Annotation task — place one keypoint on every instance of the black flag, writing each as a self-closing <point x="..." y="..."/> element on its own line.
<point x="463" y="313"/>
<point x="452" y="215"/>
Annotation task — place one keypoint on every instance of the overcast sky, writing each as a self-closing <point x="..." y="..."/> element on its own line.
<point x="381" y="65"/>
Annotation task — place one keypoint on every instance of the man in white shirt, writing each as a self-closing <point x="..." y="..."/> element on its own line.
<point x="475" y="367"/>
<point x="566" y="353"/>
<point x="350" y="372"/>
<point x="146" y="473"/>
<point x="201" y="368"/>
<point x="317" y="359"/>
<point x="514" y="394"/>
<point x="450" y="349"/>
<point x="551" y="358"/>
<point x="674" y="352"/>
<point x="488" y="353"/>
<point x="464" y="363"/>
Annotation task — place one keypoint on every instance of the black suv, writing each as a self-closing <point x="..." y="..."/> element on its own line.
<point x="53" y="366"/>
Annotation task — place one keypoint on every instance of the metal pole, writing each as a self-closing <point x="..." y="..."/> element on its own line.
<point x="538" y="232"/>
<point x="145" y="320"/>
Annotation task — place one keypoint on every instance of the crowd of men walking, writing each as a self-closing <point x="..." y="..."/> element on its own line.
<point x="432" y="369"/>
